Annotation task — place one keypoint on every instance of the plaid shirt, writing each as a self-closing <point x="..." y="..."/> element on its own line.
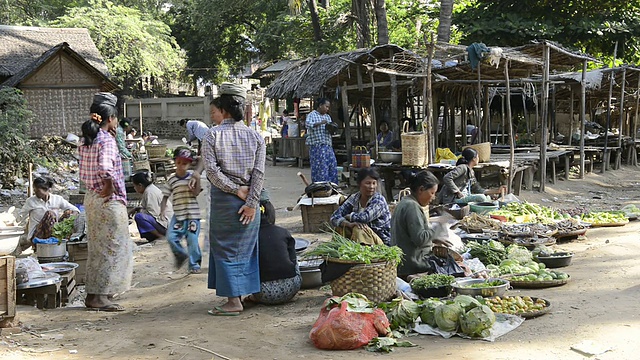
<point x="102" y="161"/>
<point x="317" y="135"/>
<point x="234" y="156"/>
<point x="196" y="130"/>
<point x="376" y="214"/>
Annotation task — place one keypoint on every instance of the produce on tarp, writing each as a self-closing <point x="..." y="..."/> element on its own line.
<point x="604" y="217"/>
<point x="347" y="323"/>
<point x="520" y="212"/>
<point x="491" y="252"/>
<point x="428" y="313"/>
<point x="447" y="316"/>
<point x="477" y="322"/>
<point x="515" y="304"/>
<point x="402" y="314"/>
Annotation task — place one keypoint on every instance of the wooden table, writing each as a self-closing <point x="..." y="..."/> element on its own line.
<point x="290" y="148"/>
<point x="553" y="157"/>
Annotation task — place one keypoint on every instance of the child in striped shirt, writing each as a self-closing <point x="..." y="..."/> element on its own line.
<point x="185" y="222"/>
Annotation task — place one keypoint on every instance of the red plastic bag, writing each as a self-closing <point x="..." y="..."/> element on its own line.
<point x="339" y="329"/>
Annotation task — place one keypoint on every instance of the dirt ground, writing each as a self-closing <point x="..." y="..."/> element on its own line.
<point x="166" y="308"/>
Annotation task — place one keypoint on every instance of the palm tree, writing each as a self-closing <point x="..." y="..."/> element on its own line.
<point x="444" y="27"/>
<point x="296" y="7"/>
<point x="381" y="20"/>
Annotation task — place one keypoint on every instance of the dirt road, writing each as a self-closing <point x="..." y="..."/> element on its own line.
<point x="600" y="303"/>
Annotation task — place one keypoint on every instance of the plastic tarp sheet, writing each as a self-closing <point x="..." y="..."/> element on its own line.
<point x="504" y="324"/>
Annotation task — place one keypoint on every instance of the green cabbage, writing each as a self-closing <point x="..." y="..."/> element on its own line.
<point x="518" y="253"/>
<point x="427" y="315"/>
<point x="477" y="322"/>
<point x="447" y="316"/>
<point x="466" y="302"/>
<point x="402" y="314"/>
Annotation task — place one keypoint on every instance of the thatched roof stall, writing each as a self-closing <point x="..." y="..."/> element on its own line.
<point x="347" y="74"/>
<point x="465" y="85"/>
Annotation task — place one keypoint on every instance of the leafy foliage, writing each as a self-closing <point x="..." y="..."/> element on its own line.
<point x="15" y="120"/>
<point x="592" y="26"/>
<point x="133" y="44"/>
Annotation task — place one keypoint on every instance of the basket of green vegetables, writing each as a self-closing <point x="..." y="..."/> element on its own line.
<point x="433" y="285"/>
<point x="372" y="269"/>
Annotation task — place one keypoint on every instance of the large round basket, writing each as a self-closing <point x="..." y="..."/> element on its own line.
<point x="483" y="149"/>
<point x="376" y="281"/>
<point x="156" y="150"/>
<point x="141" y="165"/>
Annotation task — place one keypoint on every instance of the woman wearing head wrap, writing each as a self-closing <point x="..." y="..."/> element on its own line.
<point x="110" y="261"/>
<point x="234" y="157"/>
<point x="460" y="184"/>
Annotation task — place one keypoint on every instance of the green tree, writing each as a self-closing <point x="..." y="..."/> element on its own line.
<point x="135" y="46"/>
<point x="15" y="122"/>
<point x="592" y="26"/>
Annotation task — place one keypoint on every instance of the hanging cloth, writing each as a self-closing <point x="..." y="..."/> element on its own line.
<point x="476" y="53"/>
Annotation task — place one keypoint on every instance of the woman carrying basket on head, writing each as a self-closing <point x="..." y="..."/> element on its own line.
<point x="460" y="185"/>
<point x="234" y="158"/>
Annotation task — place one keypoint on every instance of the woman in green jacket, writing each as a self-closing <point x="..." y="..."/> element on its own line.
<point x="410" y="228"/>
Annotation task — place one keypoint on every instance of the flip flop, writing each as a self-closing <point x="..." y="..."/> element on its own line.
<point x="108" y="308"/>
<point x="219" y="311"/>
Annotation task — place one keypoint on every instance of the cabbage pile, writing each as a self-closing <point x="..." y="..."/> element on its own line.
<point x="464" y="313"/>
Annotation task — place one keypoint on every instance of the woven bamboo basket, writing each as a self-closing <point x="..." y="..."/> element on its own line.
<point x="156" y="150"/>
<point x="483" y="149"/>
<point x="141" y="165"/>
<point x="414" y="147"/>
<point x="392" y="205"/>
<point x="376" y="281"/>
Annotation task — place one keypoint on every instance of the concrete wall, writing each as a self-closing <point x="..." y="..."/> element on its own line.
<point x="161" y="116"/>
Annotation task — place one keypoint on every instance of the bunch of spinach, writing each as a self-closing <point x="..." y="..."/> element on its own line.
<point x="63" y="229"/>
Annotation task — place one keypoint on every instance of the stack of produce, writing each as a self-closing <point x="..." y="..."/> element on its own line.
<point x="489" y="253"/>
<point x="478" y="223"/>
<point x="527" y="212"/>
<point x="469" y="315"/>
<point x="346" y="249"/>
<point x="599" y="218"/>
<point x="515" y="305"/>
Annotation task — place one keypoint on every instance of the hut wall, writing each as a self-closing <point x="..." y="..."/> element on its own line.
<point x="160" y="116"/>
<point x="59" y="93"/>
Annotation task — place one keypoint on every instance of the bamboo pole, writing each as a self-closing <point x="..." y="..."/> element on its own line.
<point x="502" y="120"/>
<point x="624" y="80"/>
<point x="583" y="114"/>
<point x="605" y="164"/>
<point x="429" y="106"/>
<point x="635" y="126"/>
<point x="510" y="124"/>
<point x="374" y="121"/>
<point x="571" y="114"/>
<point x="545" y="116"/>
<point x="486" y="122"/>
<point x="347" y="119"/>
<point x="140" y="112"/>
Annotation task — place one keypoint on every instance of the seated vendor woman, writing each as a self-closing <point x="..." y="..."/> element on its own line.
<point x="410" y="229"/>
<point x="147" y="216"/>
<point x="366" y="208"/>
<point x="280" y="278"/>
<point x="43" y="210"/>
<point x="460" y="184"/>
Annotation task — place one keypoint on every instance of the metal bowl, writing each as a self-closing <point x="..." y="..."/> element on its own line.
<point x="311" y="278"/>
<point x="461" y="287"/>
<point x="556" y="260"/>
<point x="390" y="156"/>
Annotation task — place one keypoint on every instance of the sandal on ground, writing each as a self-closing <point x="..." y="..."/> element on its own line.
<point x="107" y="308"/>
<point x="219" y="311"/>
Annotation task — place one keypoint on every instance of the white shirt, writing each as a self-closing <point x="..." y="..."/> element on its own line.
<point x="35" y="208"/>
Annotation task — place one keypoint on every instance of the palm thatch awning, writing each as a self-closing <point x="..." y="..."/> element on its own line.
<point x="316" y="76"/>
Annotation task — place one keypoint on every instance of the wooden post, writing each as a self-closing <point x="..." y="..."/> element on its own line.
<point x="605" y="156"/>
<point x="394" y="106"/>
<point x="583" y="114"/>
<point x="634" y="158"/>
<point x="545" y="116"/>
<point x="486" y="122"/>
<point x="570" y="114"/>
<point x="429" y="106"/>
<point x="502" y="120"/>
<point x="510" y="125"/>
<point x="140" y="104"/>
<point x="624" y="80"/>
<point x="347" y="119"/>
<point x="374" y="121"/>
<point x="30" y="187"/>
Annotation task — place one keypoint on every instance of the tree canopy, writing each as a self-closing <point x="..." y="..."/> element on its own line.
<point x="592" y="26"/>
<point x="133" y="44"/>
